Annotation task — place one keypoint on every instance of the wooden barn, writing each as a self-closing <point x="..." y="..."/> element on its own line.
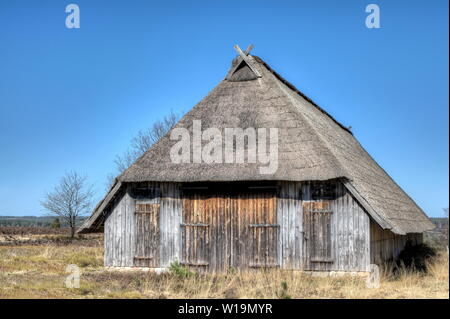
<point x="327" y="207"/>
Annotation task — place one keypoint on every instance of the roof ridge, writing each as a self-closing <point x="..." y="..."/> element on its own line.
<point x="313" y="128"/>
<point x="293" y="88"/>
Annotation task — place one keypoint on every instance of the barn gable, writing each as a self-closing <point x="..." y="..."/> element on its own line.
<point x="312" y="146"/>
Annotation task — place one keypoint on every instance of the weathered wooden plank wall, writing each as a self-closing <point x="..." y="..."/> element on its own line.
<point x="386" y="246"/>
<point x="247" y="234"/>
<point x="351" y="232"/>
<point x="349" y="229"/>
<point x="170" y="220"/>
<point x="120" y="232"/>
<point x="120" y="227"/>
<point x="289" y="215"/>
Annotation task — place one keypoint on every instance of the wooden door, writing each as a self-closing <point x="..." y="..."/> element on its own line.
<point x="147" y="214"/>
<point x="229" y="227"/>
<point x="263" y="230"/>
<point x="317" y="235"/>
<point x="196" y="230"/>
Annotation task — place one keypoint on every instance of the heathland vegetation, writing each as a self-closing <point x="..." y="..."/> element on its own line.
<point x="33" y="264"/>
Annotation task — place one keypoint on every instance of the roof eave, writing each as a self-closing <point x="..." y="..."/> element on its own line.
<point x="87" y="226"/>
<point x="379" y="219"/>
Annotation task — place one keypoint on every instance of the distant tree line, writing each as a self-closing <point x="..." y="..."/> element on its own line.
<point x="31" y="221"/>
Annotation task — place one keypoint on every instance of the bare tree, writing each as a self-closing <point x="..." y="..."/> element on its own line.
<point x="70" y="199"/>
<point x="144" y="139"/>
<point x="142" y="142"/>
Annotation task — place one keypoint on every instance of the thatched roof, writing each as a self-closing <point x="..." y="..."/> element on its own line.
<point x="312" y="145"/>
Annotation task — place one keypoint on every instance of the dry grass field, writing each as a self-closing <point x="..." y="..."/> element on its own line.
<point x="37" y="270"/>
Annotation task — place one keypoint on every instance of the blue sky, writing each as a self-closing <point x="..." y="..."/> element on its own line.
<point x="71" y="99"/>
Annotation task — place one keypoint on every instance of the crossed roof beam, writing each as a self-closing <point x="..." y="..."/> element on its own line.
<point x="245" y="58"/>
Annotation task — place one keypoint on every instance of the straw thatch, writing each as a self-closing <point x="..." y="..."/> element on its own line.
<point x="312" y="146"/>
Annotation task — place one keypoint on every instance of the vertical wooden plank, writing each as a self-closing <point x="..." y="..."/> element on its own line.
<point x="289" y="217"/>
<point x="171" y="232"/>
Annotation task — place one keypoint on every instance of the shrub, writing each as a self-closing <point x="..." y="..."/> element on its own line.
<point x="283" y="294"/>
<point x="178" y="270"/>
<point x="437" y="241"/>
<point x="416" y="256"/>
